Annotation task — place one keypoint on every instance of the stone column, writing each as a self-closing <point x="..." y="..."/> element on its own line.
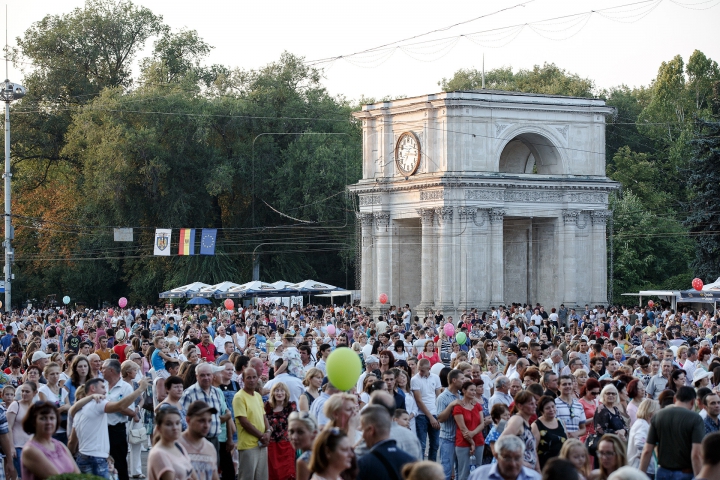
<point x="497" y="272"/>
<point x="383" y="258"/>
<point x="467" y="253"/>
<point x="569" y="262"/>
<point x="367" y="270"/>
<point x="428" y="273"/>
<point x="599" y="259"/>
<point x="444" y="216"/>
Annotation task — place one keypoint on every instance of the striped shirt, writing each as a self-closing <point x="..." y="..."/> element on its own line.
<point x="572" y="414"/>
<point x="212" y="397"/>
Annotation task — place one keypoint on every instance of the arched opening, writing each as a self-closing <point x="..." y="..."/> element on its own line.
<point x="530" y="153"/>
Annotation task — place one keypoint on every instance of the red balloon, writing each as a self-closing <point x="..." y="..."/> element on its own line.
<point x="383" y="298"/>
<point x="111" y="312"/>
<point x="697" y="284"/>
<point x="651" y="303"/>
<point x="229" y="304"/>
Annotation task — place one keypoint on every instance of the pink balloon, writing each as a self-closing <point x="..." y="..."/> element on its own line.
<point x="229" y="304"/>
<point x="111" y="311"/>
<point x="383" y="298"/>
<point x="122" y="302"/>
<point x="449" y="329"/>
<point x="331" y="329"/>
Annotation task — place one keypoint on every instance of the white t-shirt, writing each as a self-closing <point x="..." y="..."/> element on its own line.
<point x="294" y="384"/>
<point x="92" y="441"/>
<point x="59" y="401"/>
<point x="427" y="387"/>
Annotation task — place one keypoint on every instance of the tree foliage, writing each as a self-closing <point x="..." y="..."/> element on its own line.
<point x="548" y="79"/>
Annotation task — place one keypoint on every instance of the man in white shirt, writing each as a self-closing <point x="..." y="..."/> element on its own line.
<point x="501" y="395"/>
<point x="90" y="415"/>
<point x="221" y="338"/>
<point x="426" y="387"/>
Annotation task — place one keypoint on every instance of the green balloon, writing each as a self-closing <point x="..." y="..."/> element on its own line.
<point x="343" y="368"/>
<point x="461" y="338"/>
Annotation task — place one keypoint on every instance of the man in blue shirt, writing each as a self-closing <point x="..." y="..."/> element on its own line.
<point x="445" y="403"/>
<point x="7" y="338"/>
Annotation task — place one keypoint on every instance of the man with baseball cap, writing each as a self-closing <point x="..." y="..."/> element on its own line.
<point x="201" y="452"/>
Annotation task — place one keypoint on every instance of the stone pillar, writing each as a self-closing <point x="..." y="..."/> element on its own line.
<point x="569" y="262"/>
<point x="445" y="302"/>
<point x="599" y="260"/>
<point x="467" y="253"/>
<point x="367" y="270"/>
<point x="383" y="258"/>
<point x="497" y="272"/>
<point x="428" y="274"/>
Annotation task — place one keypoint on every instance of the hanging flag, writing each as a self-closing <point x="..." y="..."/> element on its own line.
<point x="162" y="241"/>
<point x="186" y="246"/>
<point x="207" y="242"/>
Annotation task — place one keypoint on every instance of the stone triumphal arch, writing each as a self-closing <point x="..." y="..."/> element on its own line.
<point x="481" y="198"/>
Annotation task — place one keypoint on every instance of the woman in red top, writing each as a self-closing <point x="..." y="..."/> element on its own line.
<point x="469" y="441"/>
<point x="430" y="353"/>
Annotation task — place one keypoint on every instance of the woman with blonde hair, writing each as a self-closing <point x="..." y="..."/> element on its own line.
<point x="581" y="377"/>
<point x="608" y="418"/>
<point x="342" y="410"/>
<point x="312" y="381"/>
<point x="302" y="430"/>
<point x="611" y="456"/>
<point x="639" y="432"/>
<point x="574" y="451"/>
<point x="281" y="455"/>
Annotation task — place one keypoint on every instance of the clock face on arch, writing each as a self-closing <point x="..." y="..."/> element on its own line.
<point x="407" y="154"/>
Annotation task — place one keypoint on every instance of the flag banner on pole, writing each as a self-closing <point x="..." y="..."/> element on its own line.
<point x="186" y="246"/>
<point x="207" y="242"/>
<point x="162" y="241"/>
<point x="123" y="234"/>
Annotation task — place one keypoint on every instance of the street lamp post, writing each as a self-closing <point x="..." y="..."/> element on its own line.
<point x="10" y="91"/>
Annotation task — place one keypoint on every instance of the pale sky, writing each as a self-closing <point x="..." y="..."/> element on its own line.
<point x="246" y="34"/>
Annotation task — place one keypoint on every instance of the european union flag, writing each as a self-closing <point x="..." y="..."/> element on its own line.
<point x="207" y="242"/>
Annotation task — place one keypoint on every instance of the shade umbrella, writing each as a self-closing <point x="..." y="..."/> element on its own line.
<point x="311" y="287"/>
<point x="199" y="301"/>
<point x="211" y="290"/>
<point x="250" y="289"/>
<point x="184" y="291"/>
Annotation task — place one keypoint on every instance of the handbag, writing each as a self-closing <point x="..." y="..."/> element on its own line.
<point x="137" y="435"/>
<point x="591" y="442"/>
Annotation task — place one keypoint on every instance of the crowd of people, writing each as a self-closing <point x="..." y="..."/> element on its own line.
<point x="515" y="393"/>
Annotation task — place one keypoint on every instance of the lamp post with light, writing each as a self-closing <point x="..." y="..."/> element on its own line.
<point x="10" y="91"/>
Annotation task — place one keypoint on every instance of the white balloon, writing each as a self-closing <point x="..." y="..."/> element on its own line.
<point x="437" y="368"/>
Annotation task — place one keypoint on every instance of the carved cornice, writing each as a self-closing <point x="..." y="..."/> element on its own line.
<point x="433" y="194"/>
<point x="571" y="216"/>
<point x="484" y="195"/>
<point x="481" y="217"/>
<point x="467" y="214"/>
<point x="382" y="221"/>
<point x="370" y="200"/>
<point x="496" y="215"/>
<point x="599" y="217"/>
<point x="427" y="216"/>
<point x="366" y="219"/>
<point x="444" y="214"/>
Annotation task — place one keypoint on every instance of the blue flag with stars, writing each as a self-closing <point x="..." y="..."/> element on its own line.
<point x="207" y="242"/>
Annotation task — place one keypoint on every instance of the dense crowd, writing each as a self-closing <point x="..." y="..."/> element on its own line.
<point x="513" y="393"/>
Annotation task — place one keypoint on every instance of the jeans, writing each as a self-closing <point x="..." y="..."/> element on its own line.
<point x="447" y="456"/>
<point x="463" y="459"/>
<point x="16" y="461"/>
<point x="424" y="431"/>
<point x="93" y="465"/>
<point x="665" y="474"/>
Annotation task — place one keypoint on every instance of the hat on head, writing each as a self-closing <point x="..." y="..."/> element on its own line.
<point x="39" y="355"/>
<point x="515" y="349"/>
<point x="120" y="334"/>
<point x="134" y="356"/>
<point x="217" y="368"/>
<point x="700" y="374"/>
<point x="198" y="407"/>
<point x="372" y="359"/>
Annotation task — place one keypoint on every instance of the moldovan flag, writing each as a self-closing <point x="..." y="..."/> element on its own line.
<point x="186" y="246"/>
<point x="162" y="241"/>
